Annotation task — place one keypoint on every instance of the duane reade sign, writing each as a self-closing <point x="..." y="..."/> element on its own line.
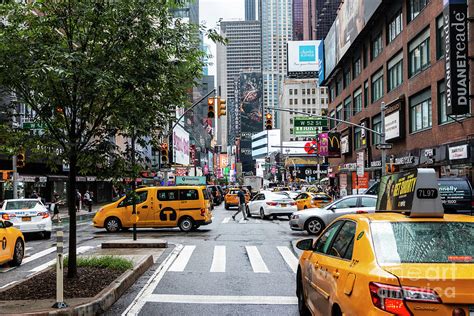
<point x="457" y="63"/>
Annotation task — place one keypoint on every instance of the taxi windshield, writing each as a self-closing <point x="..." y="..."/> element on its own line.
<point x="20" y="205"/>
<point x="423" y="242"/>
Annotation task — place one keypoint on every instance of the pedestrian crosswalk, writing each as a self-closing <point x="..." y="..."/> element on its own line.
<point x="229" y="220"/>
<point x="218" y="258"/>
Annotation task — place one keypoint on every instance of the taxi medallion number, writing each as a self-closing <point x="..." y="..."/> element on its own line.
<point x="427" y="193"/>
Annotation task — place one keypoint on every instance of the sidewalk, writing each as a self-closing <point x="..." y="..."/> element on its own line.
<point x="82" y="215"/>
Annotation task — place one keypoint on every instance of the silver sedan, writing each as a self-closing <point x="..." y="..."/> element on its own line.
<point x="314" y="220"/>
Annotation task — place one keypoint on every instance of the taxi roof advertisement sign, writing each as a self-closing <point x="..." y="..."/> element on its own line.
<point x="414" y="192"/>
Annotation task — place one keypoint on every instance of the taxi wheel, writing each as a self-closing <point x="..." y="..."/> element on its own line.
<point x="226" y="206"/>
<point x="18" y="253"/>
<point x="302" y="308"/>
<point x="186" y="224"/>
<point x="314" y="226"/>
<point x="112" y="224"/>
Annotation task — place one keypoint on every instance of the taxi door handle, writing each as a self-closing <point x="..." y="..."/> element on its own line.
<point x="145" y="206"/>
<point x="336" y="275"/>
<point x="159" y="205"/>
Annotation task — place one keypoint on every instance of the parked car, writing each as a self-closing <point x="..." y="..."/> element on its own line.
<point x="12" y="249"/>
<point x="28" y="215"/>
<point x="314" y="220"/>
<point x="457" y="194"/>
<point x="268" y="203"/>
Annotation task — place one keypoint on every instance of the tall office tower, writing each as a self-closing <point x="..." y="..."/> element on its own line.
<point x="250" y="10"/>
<point x="304" y="21"/>
<point x="277" y="30"/>
<point x="326" y="12"/>
<point x="189" y="10"/>
<point x="241" y="54"/>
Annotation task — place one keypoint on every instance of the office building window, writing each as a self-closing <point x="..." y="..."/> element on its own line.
<point x="415" y="7"/>
<point x="347" y="77"/>
<point x="442" y="116"/>
<point x="304" y="101"/>
<point x="440" y="40"/>
<point x="308" y="91"/>
<point x="303" y="91"/>
<point x="339" y="86"/>
<point x="395" y="27"/>
<point x="313" y="91"/>
<point x="358" y="100"/>
<point x="332" y="93"/>
<point x="377" y="46"/>
<point x="395" y="71"/>
<point x="347" y="109"/>
<point x="377" y="126"/>
<point x="419" y="53"/>
<point x="332" y="123"/>
<point x="314" y="101"/>
<point x="366" y="93"/>
<point x="339" y="112"/>
<point x="291" y="101"/>
<point x="357" y="140"/>
<point x="420" y="111"/>
<point x="377" y="85"/>
<point x="296" y="91"/>
<point x="296" y="101"/>
<point x="291" y="91"/>
<point x="357" y="68"/>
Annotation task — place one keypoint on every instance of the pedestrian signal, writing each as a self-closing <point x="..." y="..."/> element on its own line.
<point x="20" y="160"/>
<point x="210" y="111"/>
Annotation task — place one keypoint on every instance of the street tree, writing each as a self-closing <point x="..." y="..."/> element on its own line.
<point x="92" y="70"/>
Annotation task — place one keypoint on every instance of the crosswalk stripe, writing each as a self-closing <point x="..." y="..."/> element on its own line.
<point x="218" y="259"/>
<point x="226" y="220"/>
<point x="39" y="255"/>
<point x="289" y="258"/>
<point x="28" y="248"/>
<point x="46" y="265"/>
<point x="180" y="263"/>
<point x="258" y="265"/>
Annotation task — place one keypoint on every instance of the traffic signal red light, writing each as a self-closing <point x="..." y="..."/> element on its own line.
<point x="222" y="107"/>
<point x="268" y="121"/>
<point x="20" y="160"/>
<point x="164" y="153"/>
<point x="210" y="105"/>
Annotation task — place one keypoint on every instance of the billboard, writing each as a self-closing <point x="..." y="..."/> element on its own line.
<point x="396" y="191"/>
<point x="456" y="60"/>
<point x="303" y="56"/>
<point x="350" y="21"/>
<point x="180" y="146"/>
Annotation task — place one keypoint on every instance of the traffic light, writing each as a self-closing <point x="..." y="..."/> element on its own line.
<point x="210" y="105"/>
<point x="392" y="168"/>
<point x="164" y="153"/>
<point x="222" y="107"/>
<point x="268" y="121"/>
<point x="20" y="160"/>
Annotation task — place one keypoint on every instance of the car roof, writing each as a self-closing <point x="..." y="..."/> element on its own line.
<point x="399" y="217"/>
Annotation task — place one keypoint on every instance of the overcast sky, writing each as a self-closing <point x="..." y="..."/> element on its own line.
<point x="210" y="11"/>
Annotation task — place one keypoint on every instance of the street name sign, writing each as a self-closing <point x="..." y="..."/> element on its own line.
<point x="384" y="146"/>
<point x="308" y="126"/>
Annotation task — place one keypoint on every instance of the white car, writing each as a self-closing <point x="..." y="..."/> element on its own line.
<point x="28" y="215"/>
<point x="274" y="204"/>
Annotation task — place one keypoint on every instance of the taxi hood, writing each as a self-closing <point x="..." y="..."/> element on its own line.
<point x="451" y="281"/>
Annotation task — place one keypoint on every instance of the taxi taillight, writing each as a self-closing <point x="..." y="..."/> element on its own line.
<point x="203" y="211"/>
<point x="43" y="214"/>
<point x="392" y="298"/>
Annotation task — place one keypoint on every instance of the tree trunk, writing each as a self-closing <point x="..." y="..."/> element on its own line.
<point x="71" y="194"/>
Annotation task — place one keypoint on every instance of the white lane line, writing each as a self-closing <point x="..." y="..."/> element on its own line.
<point x="289" y="257"/>
<point x="256" y="260"/>
<point x="226" y="220"/>
<point x="8" y="284"/>
<point x="140" y="300"/>
<point x="28" y="248"/>
<point x="218" y="260"/>
<point x="221" y="299"/>
<point x="39" y="255"/>
<point x="180" y="264"/>
<point x="46" y="265"/>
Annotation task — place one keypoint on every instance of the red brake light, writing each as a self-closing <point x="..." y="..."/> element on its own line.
<point x="292" y="203"/>
<point x="203" y="212"/>
<point x="43" y="214"/>
<point x="272" y="203"/>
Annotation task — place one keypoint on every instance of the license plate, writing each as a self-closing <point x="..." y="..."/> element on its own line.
<point x="283" y="205"/>
<point x="26" y="219"/>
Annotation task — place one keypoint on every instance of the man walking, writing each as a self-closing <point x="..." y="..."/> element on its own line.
<point x="241" y="197"/>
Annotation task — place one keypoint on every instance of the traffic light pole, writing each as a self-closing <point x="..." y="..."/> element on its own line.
<point x="15" y="177"/>
<point x="383" y="152"/>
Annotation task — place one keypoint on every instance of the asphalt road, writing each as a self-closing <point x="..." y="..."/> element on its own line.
<point x="225" y="268"/>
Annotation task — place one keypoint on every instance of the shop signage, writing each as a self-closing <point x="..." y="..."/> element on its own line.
<point x="393" y="123"/>
<point x="407" y="160"/>
<point x="334" y="145"/>
<point x="345" y="144"/>
<point x="458" y="152"/>
<point x="377" y="163"/>
<point x="190" y="180"/>
<point x="456" y="60"/>
<point x="360" y="164"/>
<point x="360" y="183"/>
<point x="350" y="166"/>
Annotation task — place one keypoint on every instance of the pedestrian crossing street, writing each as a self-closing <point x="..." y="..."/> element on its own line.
<point x="256" y="259"/>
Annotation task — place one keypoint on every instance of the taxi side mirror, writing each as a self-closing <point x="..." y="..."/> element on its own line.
<point x="305" y="244"/>
<point x="8" y="224"/>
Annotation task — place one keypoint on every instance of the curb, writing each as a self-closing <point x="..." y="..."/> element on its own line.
<point x="107" y="297"/>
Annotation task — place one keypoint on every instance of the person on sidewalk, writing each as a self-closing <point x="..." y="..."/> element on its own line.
<point x="78" y="200"/>
<point x="241" y="196"/>
<point x="55" y="206"/>
<point x="88" y="200"/>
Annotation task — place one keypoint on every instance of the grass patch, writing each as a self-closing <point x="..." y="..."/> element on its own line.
<point x="110" y="262"/>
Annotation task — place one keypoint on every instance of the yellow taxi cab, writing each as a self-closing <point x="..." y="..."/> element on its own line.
<point x="310" y="200"/>
<point x="12" y="249"/>
<point x="186" y="207"/>
<point x="417" y="262"/>
<point x="231" y="198"/>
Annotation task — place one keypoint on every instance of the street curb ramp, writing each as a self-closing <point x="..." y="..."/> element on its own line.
<point x="100" y="303"/>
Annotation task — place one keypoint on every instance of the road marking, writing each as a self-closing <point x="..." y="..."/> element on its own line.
<point x="218" y="260"/>
<point x="7" y="285"/>
<point x="4" y="270"/>
<point x="256" y="260"/>
<point x="226" y="220"/>
<point x="140" y="300"/>
<point x="221" y="299"/>
<point x="180" y="263"/>
<point x="48" y="264"/>
<point x="39" y="255"/>
<point x="28" y="248"/>
<point x="289" y="257"/>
